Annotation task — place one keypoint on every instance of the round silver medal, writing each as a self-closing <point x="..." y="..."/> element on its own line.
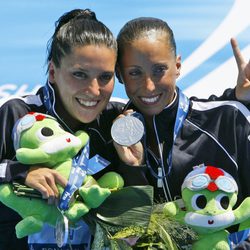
<point x="62" y="230"/>
<point x="127" y="130"/>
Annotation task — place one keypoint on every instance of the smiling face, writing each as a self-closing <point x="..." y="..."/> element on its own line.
<point x="84" y="81"/>
<point x="149" y="69"/>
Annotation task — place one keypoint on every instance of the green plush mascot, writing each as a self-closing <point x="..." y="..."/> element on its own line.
<point x="209" y="194"/>
<point x="39" y="140"/>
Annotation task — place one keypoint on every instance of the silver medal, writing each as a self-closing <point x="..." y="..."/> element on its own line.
<point x="127" y="130"/>
<point x="62" y="230"/>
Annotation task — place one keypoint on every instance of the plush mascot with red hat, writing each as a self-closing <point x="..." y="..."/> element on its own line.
<point x="209" y="195"/>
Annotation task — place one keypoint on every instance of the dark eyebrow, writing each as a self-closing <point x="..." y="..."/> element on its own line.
<point x="108" y="72"/>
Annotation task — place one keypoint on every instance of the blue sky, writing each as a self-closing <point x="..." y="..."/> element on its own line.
<point x="27" y="25"/>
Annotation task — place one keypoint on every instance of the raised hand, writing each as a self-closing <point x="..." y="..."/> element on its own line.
<point x="131" y="155"/>
<point x="243" y="81"/>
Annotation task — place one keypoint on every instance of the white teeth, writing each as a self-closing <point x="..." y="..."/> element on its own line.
<point x="151" y="99"/>
<point x="88" y="103"/>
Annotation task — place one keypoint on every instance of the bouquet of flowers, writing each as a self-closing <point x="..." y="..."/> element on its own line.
<point x="129" y="219"/>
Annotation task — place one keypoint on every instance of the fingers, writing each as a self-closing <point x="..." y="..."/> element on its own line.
<point x="45" y="180"/>
<point x="138" y="152"/>
<point x="50" y="185"/>
<point x="237" y="53"/>
<point x="133" y="155"/>
<point x="119" y="148"/>
<point x="61" y="180"/>
<point x="127" y="112"/>
<point x="47" y="192"/>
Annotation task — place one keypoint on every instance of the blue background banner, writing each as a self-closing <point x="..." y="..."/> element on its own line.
<point x="202" y="30"/>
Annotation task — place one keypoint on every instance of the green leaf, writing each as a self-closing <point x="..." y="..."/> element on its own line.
<point x="129" y="217"/>
<point x="99" y="239"/>
<point x="125" y="207"/>
<point x="119" y="245"/>
<point x="166" y="238"/>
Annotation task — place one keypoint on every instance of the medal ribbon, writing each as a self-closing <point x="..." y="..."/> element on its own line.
<point x="81" y="166"/>
<point x="180" y="117"/>
<point x="182" y="111"/>
<point x="78" y="173"/>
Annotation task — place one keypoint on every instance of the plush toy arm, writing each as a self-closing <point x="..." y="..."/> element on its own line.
<point x="243" y="212"/>
<point x="171" y="209"/>
<point x="111" y="180"/>
<point x="83" y="136"/>
<point x="31" y="156"/>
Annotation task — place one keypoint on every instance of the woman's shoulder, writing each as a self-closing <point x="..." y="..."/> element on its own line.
<point x="32" y="99"/>
<point x="18" y="106"/>
<point x="219" y="106"/>
<point x="221" y="113"/>
<point x="12" y="104"/>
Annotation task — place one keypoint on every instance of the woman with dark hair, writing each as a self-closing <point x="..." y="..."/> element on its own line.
<point x="180" y="133"/>
<point x="81" y="63"/>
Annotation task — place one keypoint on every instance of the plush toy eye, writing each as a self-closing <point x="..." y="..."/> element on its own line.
<point x="47" y="131"/>
<point x="199" y="201"/>
<point x="222" y="201"/>
<point x="44" y="133"/>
